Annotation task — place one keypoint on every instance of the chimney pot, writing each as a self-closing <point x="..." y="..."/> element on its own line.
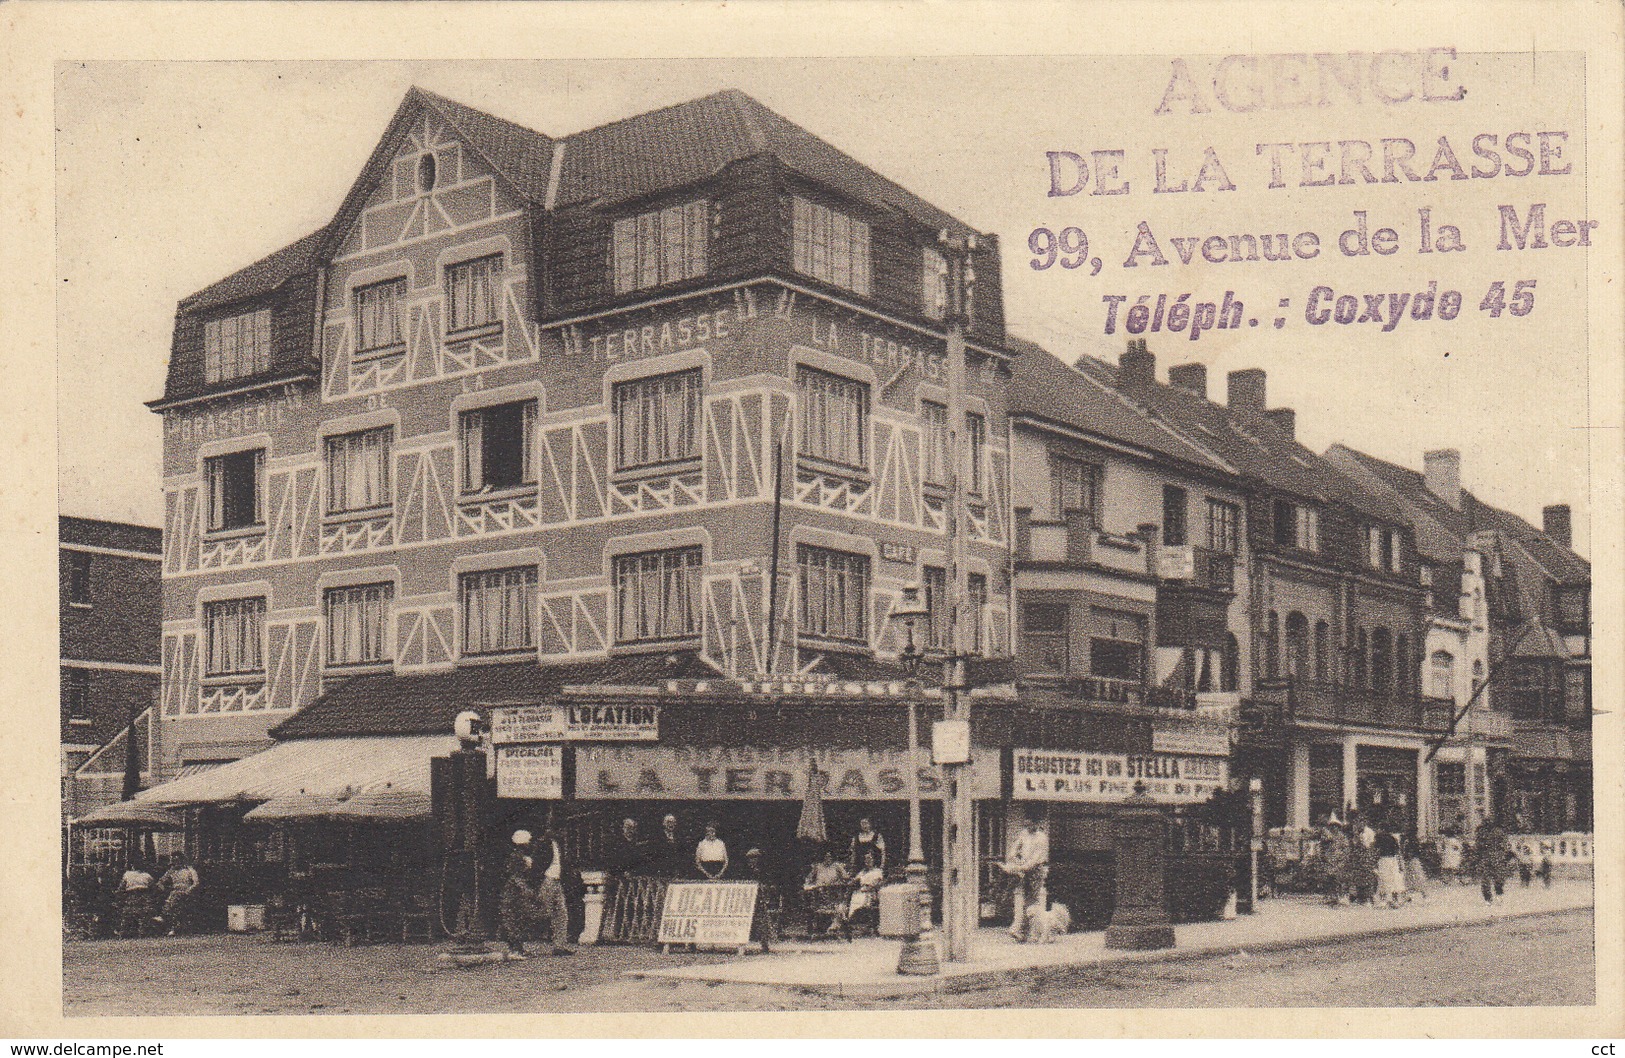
<point x="1189" y="377"/>
<point x="1137" y="367"/>
<point x="1441" y="470"/>
<point x="1285" y="420"/>
<point x="1246" y="390"/>
<point x="1558" y="523"/>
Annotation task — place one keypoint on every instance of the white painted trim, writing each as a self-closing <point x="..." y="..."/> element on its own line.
<point x="116" y="552"/>
<point x="112" y="666"/>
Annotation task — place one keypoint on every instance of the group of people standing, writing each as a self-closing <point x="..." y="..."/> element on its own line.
<point x="146" y="903"/>
<point x="1382" y="867"/>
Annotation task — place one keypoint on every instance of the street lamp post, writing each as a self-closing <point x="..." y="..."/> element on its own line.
<point x="920" y="955"/>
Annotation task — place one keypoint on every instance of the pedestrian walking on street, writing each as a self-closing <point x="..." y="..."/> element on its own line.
<point x="516" y="911"/>
<point x="1390" y="871"/>
<point x="1334" y="851"/>
<point x="1490" y="854"/>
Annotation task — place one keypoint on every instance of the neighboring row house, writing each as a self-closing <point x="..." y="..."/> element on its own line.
<point x="1513" y="601"/>
<point x="109" y="588"/>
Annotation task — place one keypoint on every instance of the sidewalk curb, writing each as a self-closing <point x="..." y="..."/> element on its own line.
<point x="978" y="980"/>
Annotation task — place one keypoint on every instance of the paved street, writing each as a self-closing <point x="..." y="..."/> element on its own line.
<point x="1537" y="960"/>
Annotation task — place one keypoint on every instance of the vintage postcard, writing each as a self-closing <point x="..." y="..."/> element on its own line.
<point x="1043" y="515"/>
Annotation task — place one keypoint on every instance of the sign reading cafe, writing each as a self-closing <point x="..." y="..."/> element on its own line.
<point x="1046" y="775"/>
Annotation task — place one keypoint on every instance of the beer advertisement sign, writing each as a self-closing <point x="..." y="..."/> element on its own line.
<point x="1047" y="775"/>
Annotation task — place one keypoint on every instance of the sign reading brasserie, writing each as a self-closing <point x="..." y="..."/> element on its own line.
<point x="1046" y="775"/>
<point x="761" y="773"/>
<point x="530" y="772"/>
<point x="618" y="722"/>
<point x="708" y="913"/>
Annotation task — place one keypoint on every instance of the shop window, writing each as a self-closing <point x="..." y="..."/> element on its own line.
<point x="497" y="447"/>
<point x="79" y="578"/>
<point x="236" y="489"/>
<point x="358" y="470"/>
<point x="234" y="634"/>
<point x="358" y="624"/>
<point x="378" y="310"/>
<point x="237" y="346"/>
<point x="834" y="417"/>
<point x="829" y="245"/>
<point x="498" y="610"/>
<point x="1174" y="509"/>
<point x="1044" y="637"/>
<point x="661" y="246"/>
<point x="474" y="294"/>
<point x="657" y="420"/>
<point x="657" y="594"/>
<point x="834" y="589"/>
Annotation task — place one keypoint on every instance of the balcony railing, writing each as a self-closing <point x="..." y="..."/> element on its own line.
<point x="1312" y="700"/>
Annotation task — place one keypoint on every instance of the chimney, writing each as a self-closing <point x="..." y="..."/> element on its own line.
<point x="1441" y="470"/>
<point x="1137" y="367"/>
<point x="1285" y="420"/>
<point x="1189" y="377"/>
<point x="1558" y="523"/>
<point x="1247" y="390"/>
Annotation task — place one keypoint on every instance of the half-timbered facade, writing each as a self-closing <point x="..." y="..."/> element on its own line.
<point x="524" y="401"/>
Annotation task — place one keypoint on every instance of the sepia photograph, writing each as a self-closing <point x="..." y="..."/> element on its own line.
<point x="831" y="533"/>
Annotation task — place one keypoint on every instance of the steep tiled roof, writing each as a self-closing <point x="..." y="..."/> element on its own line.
<point x="1251" y="443"/>
<point x="682" y="144"/>
<point x="640" y="155"/>
<point x="1448" y="527"/>
<point x="428" y="703"/>
<point x="1042" y="387"/>
<point x="261" y="277"/>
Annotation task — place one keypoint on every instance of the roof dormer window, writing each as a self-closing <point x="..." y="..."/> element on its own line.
<point x="237" y="346"/>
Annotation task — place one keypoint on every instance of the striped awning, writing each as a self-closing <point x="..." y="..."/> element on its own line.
<point x="318" y="767"/>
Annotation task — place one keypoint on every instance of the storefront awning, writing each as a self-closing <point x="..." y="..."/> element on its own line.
<point x="319" y="767"/>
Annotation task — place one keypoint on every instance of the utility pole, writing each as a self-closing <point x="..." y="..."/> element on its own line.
<point x="959" y="867"/>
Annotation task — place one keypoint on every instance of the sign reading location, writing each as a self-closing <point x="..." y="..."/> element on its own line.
<point x="618" y="722"/>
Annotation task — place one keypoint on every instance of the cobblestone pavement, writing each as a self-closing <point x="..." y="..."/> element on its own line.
<point x="1545" y="960"/>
